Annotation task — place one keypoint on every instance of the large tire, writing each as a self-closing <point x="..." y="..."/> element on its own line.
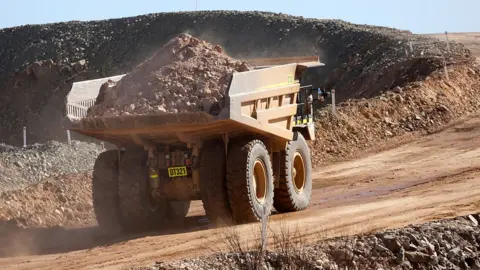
<point x="294" y="191"/>
<point x="213" y="186"/>
<point x="138" y="211"/>
<point x="250" y="196"/>
<point x="105" y="190"/>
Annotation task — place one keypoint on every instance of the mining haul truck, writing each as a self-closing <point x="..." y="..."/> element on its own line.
<point x="242" y="163"/>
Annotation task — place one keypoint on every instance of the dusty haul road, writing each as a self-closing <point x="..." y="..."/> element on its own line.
<point x="437" y="176"/>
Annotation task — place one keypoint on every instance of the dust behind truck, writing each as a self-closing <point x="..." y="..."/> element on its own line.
<point x="250" y="158"/>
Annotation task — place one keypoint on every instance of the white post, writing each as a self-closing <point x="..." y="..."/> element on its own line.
<point x="333" y="102"/>
<point x="103" y="146"/>
<point x="448" y="43"/>
<point x="266" y="211"/>
<point x="69" y="138"/>
<point x="196" y="5"/>
<point x="24" y="136"/>
<point x="411" y="46"/>
<point x="446" y="70"/>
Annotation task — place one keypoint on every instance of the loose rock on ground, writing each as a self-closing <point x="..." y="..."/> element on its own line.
<point x="444" y="244"/>
<point x="20" y="167"/>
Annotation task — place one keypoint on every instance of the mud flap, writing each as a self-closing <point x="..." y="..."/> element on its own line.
<point x="311" y="130"/>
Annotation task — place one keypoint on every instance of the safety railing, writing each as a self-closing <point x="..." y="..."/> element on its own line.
<point x="78" y="109"/>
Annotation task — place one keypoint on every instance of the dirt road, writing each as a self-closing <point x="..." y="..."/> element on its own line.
<point x="437" y="176"/>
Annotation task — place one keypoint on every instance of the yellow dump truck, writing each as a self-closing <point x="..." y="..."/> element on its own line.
<point x="242" y="163"/>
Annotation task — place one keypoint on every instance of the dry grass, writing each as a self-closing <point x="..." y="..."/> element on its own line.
<point x="279" y="244"/>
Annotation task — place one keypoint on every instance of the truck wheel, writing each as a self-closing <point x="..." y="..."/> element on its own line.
<point x="213" y="186"/>
<point x="295" y="189"/>
<point x="249" y="181"/>
<point x="105" y="190"/>
<point x="138" y="211"/>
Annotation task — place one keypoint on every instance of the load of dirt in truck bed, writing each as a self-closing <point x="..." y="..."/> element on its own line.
<point x="185" y="75"/>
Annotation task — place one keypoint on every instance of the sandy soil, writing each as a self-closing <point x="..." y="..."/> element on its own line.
<point x="435" y="177"/>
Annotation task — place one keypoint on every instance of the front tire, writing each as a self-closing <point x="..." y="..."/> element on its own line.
<point x="249" y="181"/>
<point x="295" y="189"/>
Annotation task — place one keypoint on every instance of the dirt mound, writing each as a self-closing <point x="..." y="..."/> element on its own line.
<point x="185" y="75"/>
<point x="59" y="201"/>
<point x="446" y="244"/>
<point x="21" y="167"/>
<point x="360" y="60"/>
<point x="395" y="116"/>
<point x="33" y="98"/>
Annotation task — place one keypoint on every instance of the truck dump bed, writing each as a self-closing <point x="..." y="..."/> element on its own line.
<point x="262" y="101"/>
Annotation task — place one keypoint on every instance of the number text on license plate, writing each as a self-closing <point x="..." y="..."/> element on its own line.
<point x="177" y="171"/>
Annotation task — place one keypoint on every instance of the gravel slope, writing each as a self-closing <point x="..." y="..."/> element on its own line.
<point x="21" y="167"/>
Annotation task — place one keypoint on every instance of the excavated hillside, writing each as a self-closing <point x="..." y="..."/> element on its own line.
<point x="361" y="61"/>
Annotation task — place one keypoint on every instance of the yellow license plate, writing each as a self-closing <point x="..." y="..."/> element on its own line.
<point x="177" y="171"/>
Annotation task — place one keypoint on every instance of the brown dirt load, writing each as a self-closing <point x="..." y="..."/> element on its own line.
<point x="185" y="75"/>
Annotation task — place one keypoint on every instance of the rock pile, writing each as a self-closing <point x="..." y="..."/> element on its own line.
<point x="21" y="167"/>
<point x="42" y="112"/>
<point x="57" y="201"/>
<point x="185" y="75"/>
<point x="445" y="244"/>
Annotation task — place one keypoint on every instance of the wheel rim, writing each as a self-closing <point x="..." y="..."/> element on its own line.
<point x="259" y="181"/>
<point x="298" y="172"/>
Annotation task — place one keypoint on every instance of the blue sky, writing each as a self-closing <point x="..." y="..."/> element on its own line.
<point x="418" y="16"/>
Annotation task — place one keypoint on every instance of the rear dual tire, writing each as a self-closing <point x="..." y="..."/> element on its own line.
<point x="213" y="186"/>
<point x="138" y="212"/>
<point x="121" y="195"/>
<point x="105" y="190"/>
